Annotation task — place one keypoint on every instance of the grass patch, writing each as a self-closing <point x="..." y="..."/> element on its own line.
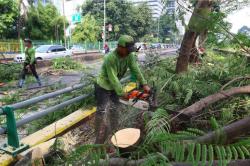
<point x="10" y="72"/>
<point x="67" y="63"/>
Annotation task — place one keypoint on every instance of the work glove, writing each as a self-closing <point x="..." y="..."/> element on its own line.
<point x="146" y="88"/>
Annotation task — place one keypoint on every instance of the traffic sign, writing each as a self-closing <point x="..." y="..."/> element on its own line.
<point x="76" y="18"/>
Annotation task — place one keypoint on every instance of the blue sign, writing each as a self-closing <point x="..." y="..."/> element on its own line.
<point x="76" y="18"/>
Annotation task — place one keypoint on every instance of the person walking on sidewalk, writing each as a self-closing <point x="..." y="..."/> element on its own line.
<point x="29" y="63"/>
<point x="108" y="87"/>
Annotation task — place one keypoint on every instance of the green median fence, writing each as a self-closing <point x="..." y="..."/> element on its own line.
<point x="15" y="46"/>
<point x="95" y="46"/>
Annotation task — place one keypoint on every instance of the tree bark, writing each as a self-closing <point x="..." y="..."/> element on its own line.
<point x="193" y="57"/>
<point x="203" y="103"/>
<point x="203" y="38"/>
<point x="227" y="133"/>
<point x="185" y="50"/>
<point x="195" y="26"/>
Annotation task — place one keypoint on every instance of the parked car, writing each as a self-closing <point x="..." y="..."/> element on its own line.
<point x="45" y="52"/>
<point x="155" y="46"/>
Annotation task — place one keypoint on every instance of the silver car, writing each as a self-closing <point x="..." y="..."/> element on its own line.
<point x="45" y="52"/>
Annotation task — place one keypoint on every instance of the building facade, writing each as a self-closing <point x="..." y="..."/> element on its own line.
<point x="171" y="9"/>
<point x="156" y="6"/>
<point x="171" y="6"/>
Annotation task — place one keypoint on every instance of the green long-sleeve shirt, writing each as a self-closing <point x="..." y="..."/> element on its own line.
<point x="114" y="68"/>
<point x="30" y="56"/>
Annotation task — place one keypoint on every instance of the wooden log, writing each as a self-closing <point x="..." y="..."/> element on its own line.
<point x="127" y="162"/>
<point x="203" y="103"/>
<point x="217" y="163"/>
<point x="121" y="162"/>
<point x="227" y="133"/>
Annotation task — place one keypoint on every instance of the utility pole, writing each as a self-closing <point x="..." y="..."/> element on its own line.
<point x="64" y="24"/>
<point x="104" y="24"/>
<point x="158" y="30"/>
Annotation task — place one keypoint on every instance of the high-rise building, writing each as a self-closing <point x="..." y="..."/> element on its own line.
<point x="156" y="6"/>
<point x="171" y="6"/>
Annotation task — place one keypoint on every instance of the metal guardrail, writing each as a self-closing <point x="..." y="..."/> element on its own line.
<point x="13" y="145"/>
<point x="44" y="97"/>
<point x="45" y="112"/>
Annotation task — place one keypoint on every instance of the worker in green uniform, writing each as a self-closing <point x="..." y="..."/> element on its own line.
<point x="108" y="88"/>
<point x="29" y="63"/>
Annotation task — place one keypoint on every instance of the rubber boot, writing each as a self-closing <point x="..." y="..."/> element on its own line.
<point x="20" y="83"/>
<point x="39" y="81"/>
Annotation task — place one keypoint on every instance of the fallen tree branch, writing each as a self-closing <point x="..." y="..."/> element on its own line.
<point x="121" y="162"/>
<point x="127" y="162"/>
<point x="217" y="163"/>
<point x="203" y="103"/>
<point x="234" y="80"/>
<point x="230" y="131"/>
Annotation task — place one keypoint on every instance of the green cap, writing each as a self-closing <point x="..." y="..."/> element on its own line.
<point x="128" y="42"/>
<point x="125" y="41"/>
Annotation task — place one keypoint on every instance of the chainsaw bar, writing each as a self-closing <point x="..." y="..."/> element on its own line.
<point x="139" y="104"/>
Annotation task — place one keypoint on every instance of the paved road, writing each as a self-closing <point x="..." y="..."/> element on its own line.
<point x="71" y="78"/>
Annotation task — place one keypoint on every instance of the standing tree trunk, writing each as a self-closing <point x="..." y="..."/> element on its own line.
<point x="185" y="50"/>
<point x="197" y="24"/>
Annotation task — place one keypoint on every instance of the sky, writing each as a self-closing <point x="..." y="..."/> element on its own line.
<point x="239" y="19"/>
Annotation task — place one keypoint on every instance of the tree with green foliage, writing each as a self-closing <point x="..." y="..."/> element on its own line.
<point x="122" y="15"/>
<point x="217" y="35"/>
<point x="8" y="16"/>
<point x="44" y="23"/>
<point x="206" y="14"/>
<point x="88" y="30"/>
<point x="167" y="27"/>
<point x="149" y="38"/>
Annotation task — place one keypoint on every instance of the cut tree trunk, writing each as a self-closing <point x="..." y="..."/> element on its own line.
<point x="205" y="102"/>
<point x="126" y="139"/>
<point x="227" y="133"/>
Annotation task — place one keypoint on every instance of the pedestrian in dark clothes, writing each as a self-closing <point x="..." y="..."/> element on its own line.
<point x="29" y="63"/>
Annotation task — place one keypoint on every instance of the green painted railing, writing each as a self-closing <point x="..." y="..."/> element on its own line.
<point x="15" y="46"/>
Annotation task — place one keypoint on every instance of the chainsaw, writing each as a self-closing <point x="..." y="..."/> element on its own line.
<point x="138" y="98"/>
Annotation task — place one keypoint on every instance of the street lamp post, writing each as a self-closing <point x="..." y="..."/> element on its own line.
<point x="158" y="29"/>
<point x="64" y="24"/>
<point x="104" y="23"/>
